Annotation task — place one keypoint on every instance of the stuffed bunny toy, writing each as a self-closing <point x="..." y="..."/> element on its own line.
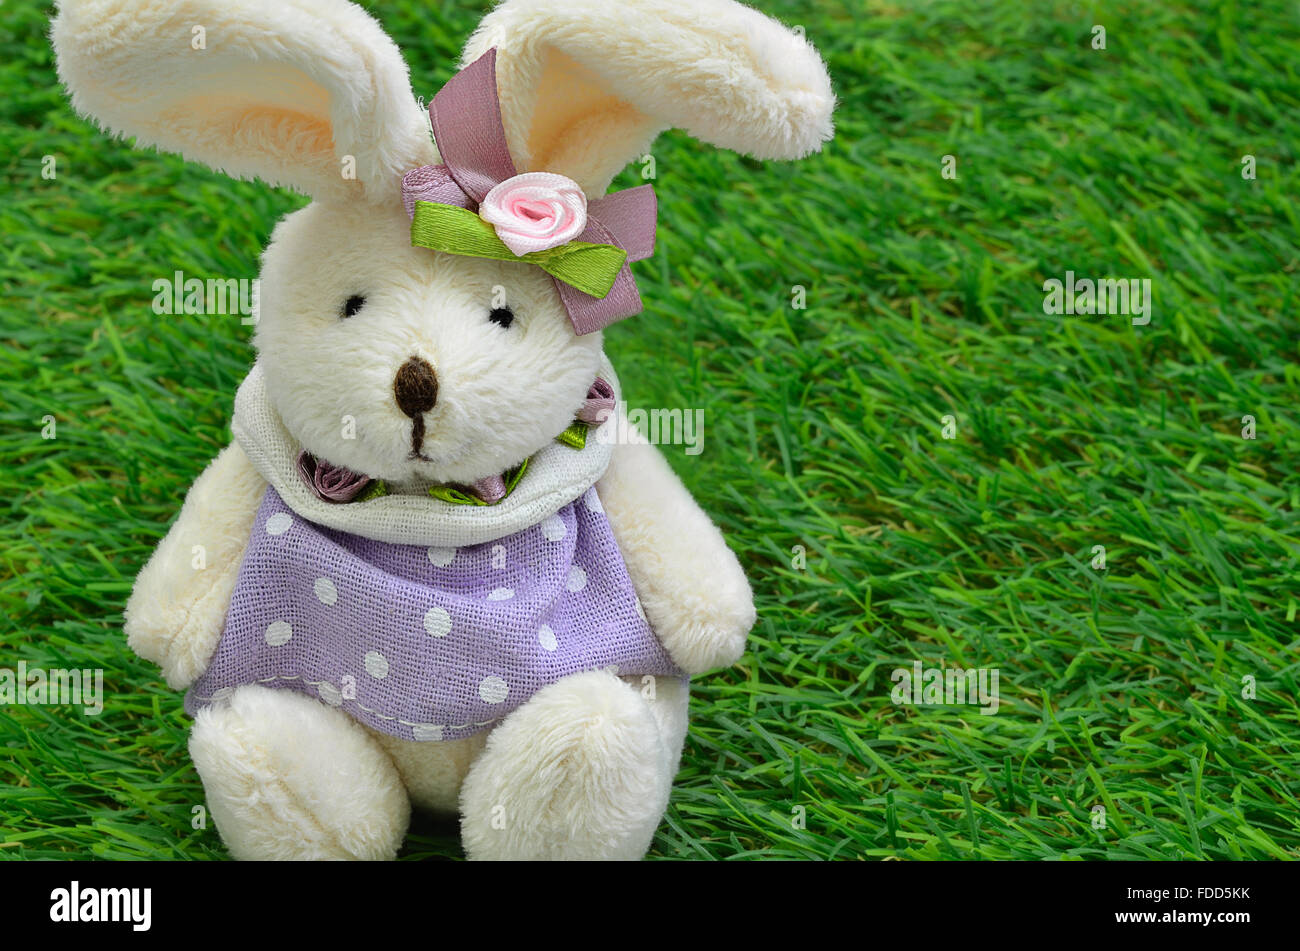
<point x="439" y="568"/>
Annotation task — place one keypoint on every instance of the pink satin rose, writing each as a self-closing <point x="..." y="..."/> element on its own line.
<point x="535" y="211"/>
<point x="330" y="483"/>
<point x="600" y="402"/>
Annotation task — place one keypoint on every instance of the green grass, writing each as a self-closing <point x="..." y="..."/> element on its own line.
<point x="1120" y="688"/>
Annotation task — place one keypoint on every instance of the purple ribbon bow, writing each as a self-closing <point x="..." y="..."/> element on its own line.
<point x="466" y="116"/>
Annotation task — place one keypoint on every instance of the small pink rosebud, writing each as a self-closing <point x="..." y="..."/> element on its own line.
<point x="535" y="211"/>
<point x="599" y="404"/>
<point x="330" y="483"/>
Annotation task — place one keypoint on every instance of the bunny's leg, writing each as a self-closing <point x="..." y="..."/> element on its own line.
<point x="581" y="771"/>
<point x="287" y="777"/>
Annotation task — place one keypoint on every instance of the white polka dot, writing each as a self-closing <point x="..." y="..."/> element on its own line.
<point x="426" y="731"/>
<point x="613" y="669"/>
<point x="493" y="689"/>
<point x="546" y="637"/>
<point x="442" y="557"/>
<point x="437" y="622"/>
<point x="553" y="528"/>
<point x="330" y="694"/>
<point x="592" y="500"/>
<point x="498" y="557"/>
<point x="501" y="594"/>
<point x="577" y="579"/>
<point x="376" y="665"/>
<point x="279" y="523"/>
<point x="278" y="632"/>
<point x="640" y="609"/>
<point x="326" y="593"/>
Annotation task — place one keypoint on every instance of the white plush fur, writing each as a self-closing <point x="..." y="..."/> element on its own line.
<point x="433" y="772"/>
<point x="287" y="777"/>
<point x="693" y="589"/>
<point x="581" y="771"/>
<point x="503" y="393"/>
<point x="178" y="606"/>
<point x="586" y="87"/>
<point x="283" y="91"/>
<point x="300" y="93"/>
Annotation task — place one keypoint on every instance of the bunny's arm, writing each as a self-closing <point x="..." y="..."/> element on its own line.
<point x="694" y="592"/>
<point x="177" y="609"/>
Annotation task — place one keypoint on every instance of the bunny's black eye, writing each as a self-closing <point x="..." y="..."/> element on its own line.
<point x="353" y="305"/>
<point x="502" y="315"/>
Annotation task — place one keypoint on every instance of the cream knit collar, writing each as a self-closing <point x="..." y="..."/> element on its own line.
<point x="556" y="475"/>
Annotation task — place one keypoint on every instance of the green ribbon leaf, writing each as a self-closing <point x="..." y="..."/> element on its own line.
<point x="449" y="493"/>
<point x="575" y="437"/>
<point x="376" y="489"/>
<point x="591" y="268"/>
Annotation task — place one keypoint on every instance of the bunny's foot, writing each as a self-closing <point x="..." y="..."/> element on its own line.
<point x="290" y="778"/>
<point x="580" y="771"/>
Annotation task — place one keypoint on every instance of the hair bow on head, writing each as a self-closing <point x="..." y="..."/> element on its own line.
<point x="476" y="204"/>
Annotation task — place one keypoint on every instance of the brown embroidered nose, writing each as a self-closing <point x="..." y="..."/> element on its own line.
<point x="416" y="387"/>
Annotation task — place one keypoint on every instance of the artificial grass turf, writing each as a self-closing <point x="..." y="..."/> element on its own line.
<point x="1120" y="688"/>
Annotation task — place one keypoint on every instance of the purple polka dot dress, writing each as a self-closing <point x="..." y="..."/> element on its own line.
<point x="429" y="643"/>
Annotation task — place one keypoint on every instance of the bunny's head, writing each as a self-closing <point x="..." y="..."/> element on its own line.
<point x="449" y="366"/>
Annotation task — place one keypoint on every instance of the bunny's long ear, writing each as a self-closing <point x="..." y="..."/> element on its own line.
<point x="310" y="94"/>
<point x="586" y="85"/>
